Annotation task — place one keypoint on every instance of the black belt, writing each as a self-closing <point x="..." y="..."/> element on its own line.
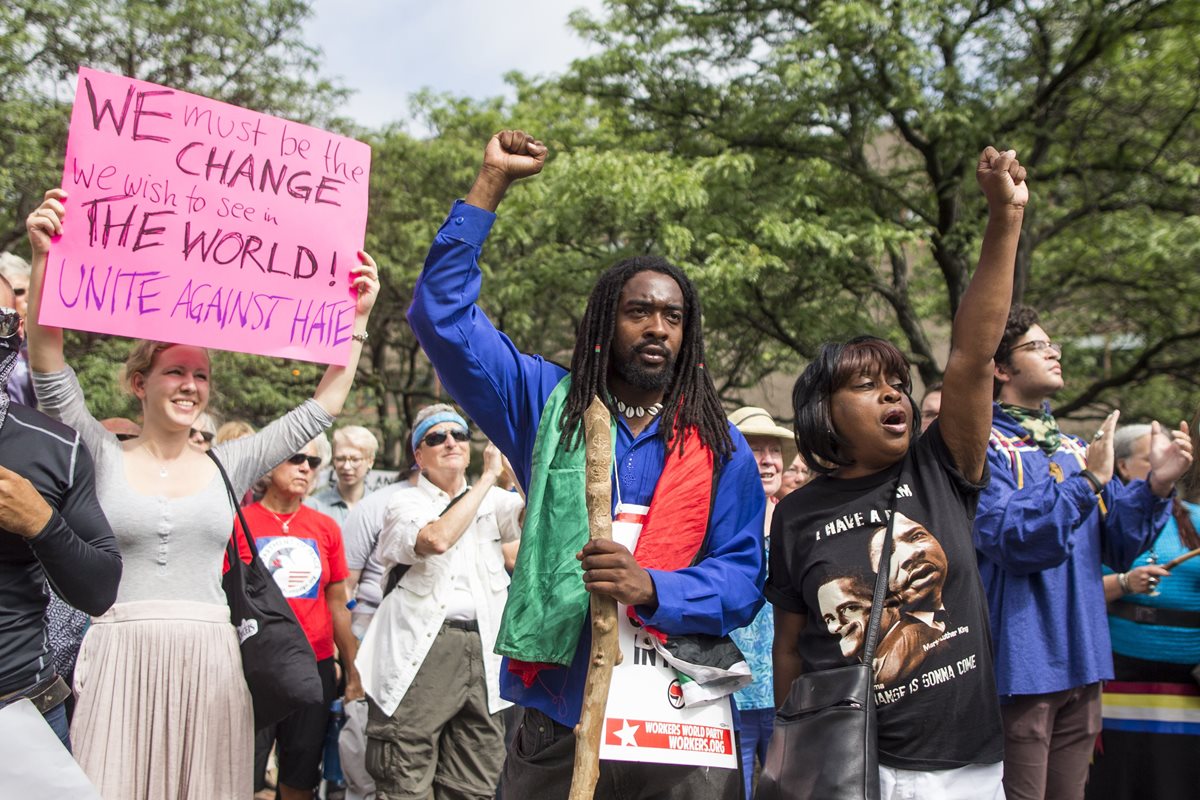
<point x="44" y="695"/>
<point x="1153" y="615"/>
<point x="471" y="625"/>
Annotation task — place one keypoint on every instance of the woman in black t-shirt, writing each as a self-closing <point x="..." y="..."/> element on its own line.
<point x="856" y="424"/>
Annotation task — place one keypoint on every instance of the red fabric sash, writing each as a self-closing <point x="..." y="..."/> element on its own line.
<point x="678" y="517"/>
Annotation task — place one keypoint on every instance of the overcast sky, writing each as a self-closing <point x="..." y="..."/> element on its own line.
<point x="384" y="51"/>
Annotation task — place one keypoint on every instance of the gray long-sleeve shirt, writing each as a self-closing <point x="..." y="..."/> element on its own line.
<point x="174" y="546"/>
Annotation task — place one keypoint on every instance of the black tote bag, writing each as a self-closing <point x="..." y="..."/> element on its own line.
<point x="825" y="745"/>
<point x="277" y="660"/>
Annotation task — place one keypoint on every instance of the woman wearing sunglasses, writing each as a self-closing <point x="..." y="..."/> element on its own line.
<point x="303" y="550"/>
<point x="163" y="711"/>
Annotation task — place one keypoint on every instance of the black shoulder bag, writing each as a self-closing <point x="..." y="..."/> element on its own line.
<point x="277" y="660"/>
<point x="825" y="744"/>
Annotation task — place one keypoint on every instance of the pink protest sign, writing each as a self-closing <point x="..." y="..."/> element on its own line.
<point x="197" y="222"/>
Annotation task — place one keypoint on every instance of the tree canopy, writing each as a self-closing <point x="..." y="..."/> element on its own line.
<point x="808" y="163"/>
<point x="864" y="121"/>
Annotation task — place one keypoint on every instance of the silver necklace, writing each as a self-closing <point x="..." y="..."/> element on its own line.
<point x="637" y="411"/>
<point x="162" y="464"/>
<point x="283" y="522"/>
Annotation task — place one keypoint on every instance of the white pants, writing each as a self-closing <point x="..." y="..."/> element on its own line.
<point x="976" y="782"/>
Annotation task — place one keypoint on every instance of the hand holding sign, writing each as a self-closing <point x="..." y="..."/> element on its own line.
<point x="365" y="281"/>
<point x="45" y="222"/>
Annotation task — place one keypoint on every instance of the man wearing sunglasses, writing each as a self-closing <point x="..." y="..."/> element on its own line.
<point x="686" y="486"/>
<point x="52" y="531"/>
<point x="1050" y="515"/>
<point x="427" y="665"/>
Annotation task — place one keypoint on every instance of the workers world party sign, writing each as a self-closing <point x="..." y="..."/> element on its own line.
<point x="197" y="222"/>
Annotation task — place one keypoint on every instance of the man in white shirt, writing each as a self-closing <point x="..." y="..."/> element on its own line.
<point x="427" y="661"/>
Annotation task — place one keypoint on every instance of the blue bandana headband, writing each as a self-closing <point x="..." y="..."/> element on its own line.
<point x="437" y="419"/>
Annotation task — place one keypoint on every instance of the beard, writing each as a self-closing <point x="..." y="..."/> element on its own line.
<point x="644" y="378"/>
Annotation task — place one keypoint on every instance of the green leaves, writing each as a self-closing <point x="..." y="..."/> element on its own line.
<point x="810" y="164"/>
<point x="864" y="121"/>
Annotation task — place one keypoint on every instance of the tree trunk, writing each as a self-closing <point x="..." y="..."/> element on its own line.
<point x="605" y="647"/>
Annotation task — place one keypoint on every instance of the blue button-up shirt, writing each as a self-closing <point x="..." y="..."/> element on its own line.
<point x="505" y="390"/>
<point x="1040" y="546"/>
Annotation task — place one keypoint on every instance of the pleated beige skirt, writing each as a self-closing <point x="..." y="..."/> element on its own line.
<point x="163" y="710"/>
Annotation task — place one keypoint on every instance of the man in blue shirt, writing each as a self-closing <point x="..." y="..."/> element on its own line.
<point x="1050" y="515"/>
<point x="639" y="347"/>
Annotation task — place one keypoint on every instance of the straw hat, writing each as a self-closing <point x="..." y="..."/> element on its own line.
<point x="754" y="421"/>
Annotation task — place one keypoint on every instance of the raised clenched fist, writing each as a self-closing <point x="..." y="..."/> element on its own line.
<point x="513" y="155"/>
<point x="1002" y="178"/>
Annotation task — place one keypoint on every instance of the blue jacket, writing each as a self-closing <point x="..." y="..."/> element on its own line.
<point x="504" y="391"/>
<point x="1040" y="542"/>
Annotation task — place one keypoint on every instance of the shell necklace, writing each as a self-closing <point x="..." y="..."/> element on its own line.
<point x="637" y="411"/>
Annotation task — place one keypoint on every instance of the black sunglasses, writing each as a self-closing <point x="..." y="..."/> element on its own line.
<point x="300" y="458"/>
<point x="434" y="439"/>
<point x="10" y="322"/>
<point x="206" y="435"/>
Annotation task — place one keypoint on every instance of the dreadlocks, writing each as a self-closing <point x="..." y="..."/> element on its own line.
<point x="691" y="400"/>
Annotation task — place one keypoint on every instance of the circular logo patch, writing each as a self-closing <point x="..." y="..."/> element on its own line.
<point x="675" y="694"/>
<point x="294" y="565"/>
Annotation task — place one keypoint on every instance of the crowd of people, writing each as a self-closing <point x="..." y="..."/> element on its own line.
<point x="1039" y="638"/>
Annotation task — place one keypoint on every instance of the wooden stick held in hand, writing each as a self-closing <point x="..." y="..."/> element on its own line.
<point x="1177" y="560"/>
<point x="606" y="651"/>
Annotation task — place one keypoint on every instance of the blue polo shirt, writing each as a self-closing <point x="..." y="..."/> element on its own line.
<point x="504" y="392"/>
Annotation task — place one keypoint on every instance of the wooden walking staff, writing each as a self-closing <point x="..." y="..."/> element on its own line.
<point x="606" y="652"/>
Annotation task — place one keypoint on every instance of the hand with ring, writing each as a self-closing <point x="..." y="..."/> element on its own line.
<point x="1100" y="452"/>
<point x="1145" y="579"/>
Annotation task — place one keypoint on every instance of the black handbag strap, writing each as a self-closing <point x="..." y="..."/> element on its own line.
<point x="881" y="577"/>
<point x="237" y="509"/>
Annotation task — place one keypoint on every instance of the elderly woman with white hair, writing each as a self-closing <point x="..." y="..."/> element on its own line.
<point x="354" y="450"/>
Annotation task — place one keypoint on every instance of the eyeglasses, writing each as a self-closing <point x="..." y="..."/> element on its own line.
<point x="348" y="461"/>
<point x="10" y="322"/>
<point x="1039" y="346"/>
<point x="207" y="436"/>
<point x="434" y="439"/>
<point x="300" y="458"/>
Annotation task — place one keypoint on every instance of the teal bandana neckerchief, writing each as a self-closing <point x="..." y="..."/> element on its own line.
<point x="1040" y="424"/>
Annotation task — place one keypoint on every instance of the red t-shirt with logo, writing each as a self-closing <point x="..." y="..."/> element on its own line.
<point x="303" y="560"/>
